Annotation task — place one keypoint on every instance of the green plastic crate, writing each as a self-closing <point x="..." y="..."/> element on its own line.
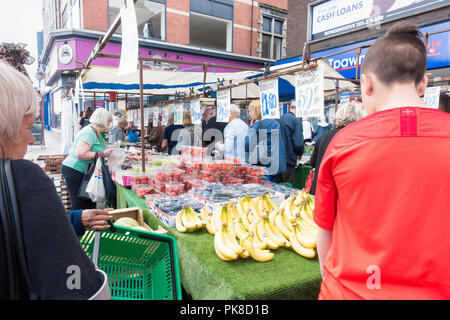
<point x="140" y="265"/>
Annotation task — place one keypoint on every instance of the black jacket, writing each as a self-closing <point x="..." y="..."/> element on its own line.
<point x="319" y="152"/>
<point x="292" y="135"/>
<point x="50" y="241"/>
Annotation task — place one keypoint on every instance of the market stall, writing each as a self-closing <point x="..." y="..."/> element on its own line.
<point x="203" y="274"/>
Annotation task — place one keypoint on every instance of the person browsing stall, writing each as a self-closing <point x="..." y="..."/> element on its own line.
<point x="234" y="136"/>
<point x="88" y="142"/>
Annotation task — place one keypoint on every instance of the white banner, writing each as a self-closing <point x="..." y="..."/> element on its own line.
<point x="196" y="112"/>
<point x="223" y="105"/>
<point x="146" y="114"/>
<point x="130" y="44"/>
<point x="178" y="114"/>
<point x="268" y="93"/>
<point x="309" y="93"/>
<point x="431" y="97"/>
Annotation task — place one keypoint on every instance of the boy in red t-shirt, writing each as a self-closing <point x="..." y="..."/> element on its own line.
<point x="382" y="199"/>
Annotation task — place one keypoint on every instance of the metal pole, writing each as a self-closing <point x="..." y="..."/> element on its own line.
<point x="358" y="52"/>
<point x="141" y="102"/>
<point x="336" y="98"/>
<point x="205" y="70"/>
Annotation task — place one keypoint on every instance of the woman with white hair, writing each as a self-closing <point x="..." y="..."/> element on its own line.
<point x="346" y="114"/>
<point x="45" y="232"/>
<point x="88" y="143"/>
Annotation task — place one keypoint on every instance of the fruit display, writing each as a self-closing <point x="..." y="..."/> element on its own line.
<point x="254" y="226"/>
<point x="280" y="188"/>
<point x="189" y="152"/>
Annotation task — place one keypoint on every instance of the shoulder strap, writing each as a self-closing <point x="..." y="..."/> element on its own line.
<point x="18" y="273"/>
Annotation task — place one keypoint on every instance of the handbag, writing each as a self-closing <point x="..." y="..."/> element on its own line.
<point x="110" y="187"/>
<point x="90" y="169"/>
<point x="20" y="285"/>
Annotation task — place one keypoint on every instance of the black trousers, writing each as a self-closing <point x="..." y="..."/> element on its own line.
<point x="289" y="175"/>
<point x="73" y="180"/>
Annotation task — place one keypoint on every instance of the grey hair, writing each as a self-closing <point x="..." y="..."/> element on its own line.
<point x="100" y="118"/>
<point x="347" y="113"/>
<point x="17" y="99"/>
<point x="235" y="109"/>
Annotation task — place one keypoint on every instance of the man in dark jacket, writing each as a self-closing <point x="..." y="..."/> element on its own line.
<point x="292" y="135"/>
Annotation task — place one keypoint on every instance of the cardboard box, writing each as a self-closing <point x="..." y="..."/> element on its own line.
<point x="136" y="214"/>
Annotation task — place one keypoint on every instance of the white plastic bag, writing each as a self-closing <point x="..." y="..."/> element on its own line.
<point x="95" y="188"/>
<point x="116" y="159"/>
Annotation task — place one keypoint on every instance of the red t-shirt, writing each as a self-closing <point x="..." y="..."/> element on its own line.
<point x="384" y="191"/>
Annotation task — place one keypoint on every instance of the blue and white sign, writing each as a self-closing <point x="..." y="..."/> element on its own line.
<point x="223" y="105"/>
<point x="431" y="97"/>
<point x="196" y="112"/>
<point x="309" y="93"/>
<point x="268" y="93"/>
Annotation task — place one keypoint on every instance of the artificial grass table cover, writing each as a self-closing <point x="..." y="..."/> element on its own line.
<point x="205" y="277"/>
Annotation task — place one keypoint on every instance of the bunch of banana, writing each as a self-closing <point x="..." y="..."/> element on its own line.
<point x="187" y="220"/>
<point x="226" y="246"/>
<point x="305" y="234"/>
<point x="282" y="223"/>
<point x="256" y="252"/>
<point x="290" y="208"/>
<point x="240" y="229"/>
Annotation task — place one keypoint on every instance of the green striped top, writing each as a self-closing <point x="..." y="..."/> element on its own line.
<point x="89" y="136"/>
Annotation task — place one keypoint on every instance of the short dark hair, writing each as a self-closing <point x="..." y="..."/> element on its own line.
<point x="399" y="56"/>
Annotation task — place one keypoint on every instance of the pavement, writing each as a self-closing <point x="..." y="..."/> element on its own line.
<point x="52" y="146"/>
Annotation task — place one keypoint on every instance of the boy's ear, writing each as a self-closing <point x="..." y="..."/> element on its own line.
<point x="367" y="83"/>
<point x="421" y="87"/>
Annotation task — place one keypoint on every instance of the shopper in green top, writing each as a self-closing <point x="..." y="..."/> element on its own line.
<point x="87" y="143"/>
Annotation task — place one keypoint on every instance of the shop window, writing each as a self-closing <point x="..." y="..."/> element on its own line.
<point x="150" y="16"/>
<point x="210" y="32"/>
<point x="272" y="37"/>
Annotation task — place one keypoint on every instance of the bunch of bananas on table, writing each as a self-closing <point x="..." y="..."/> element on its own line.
<point x="254" y="227"/>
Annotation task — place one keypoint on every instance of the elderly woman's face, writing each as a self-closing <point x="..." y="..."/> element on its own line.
<point x="17" y="149"/>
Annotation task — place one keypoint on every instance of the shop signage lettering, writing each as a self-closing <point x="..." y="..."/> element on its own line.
<point x="309" y="93"/>
<point x="268" y="90"/>
<point x="223" y="105"/>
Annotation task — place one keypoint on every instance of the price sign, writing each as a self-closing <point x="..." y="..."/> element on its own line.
<point x="223" y="105"/>
<point x="155" y="116"/>
<point x="431" y="97"/>
<point x="178" y="114"/>
<point x="196" y="112"/>
<point x="165" y="115"/>
<point x="146" y="114"/>
<point x="345" y="100"/>
<point x="268" y="93"/>
<point x="309" y="93"/>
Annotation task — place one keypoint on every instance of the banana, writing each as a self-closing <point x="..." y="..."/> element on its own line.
<point x="282" y="226"/>
<point x="229" y="239"/>
<point x="308" y="220"/>
<point x="274" y="235"/>
<point x="264" y="236"/>
<point x="219" y="246"/>
<point x="209" y="226"/>
<point x="245" y="222"/>
<point x="259" y="243"/>
<point x="194" y="217"/>
<point x="303" y="239"/>
<point x="285" y="220"/>
<point x="272" y="205"/>
<point x="204" y="214"/>
<point x="178" y="223"/>
<point x="221" y="216"/>
<point x="187" y="221"/>
<point x="232" y="212"/>
<point x="307" y="230"/>
<point x="258" y="254"/>
<point x="239" y="228"/>
<point x="299" y="249"/>
<point x="272" y="215"/>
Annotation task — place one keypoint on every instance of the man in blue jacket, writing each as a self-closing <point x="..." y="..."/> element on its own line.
<point x="292" y="136"/>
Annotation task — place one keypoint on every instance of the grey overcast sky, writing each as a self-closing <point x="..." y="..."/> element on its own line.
<point x="20" y="20"/>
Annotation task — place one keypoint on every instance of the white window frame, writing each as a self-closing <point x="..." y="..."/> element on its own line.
<point x="272" y="34"/>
